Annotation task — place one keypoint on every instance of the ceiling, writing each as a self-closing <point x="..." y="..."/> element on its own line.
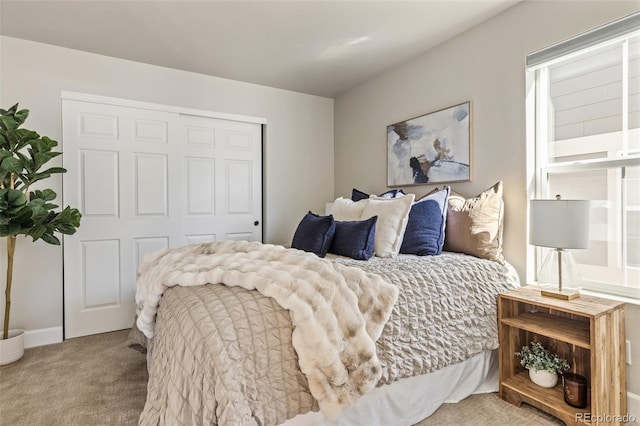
<point x="318" y="47"/>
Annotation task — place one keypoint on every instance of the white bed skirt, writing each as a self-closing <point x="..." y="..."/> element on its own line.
<point x="407" y="401"/>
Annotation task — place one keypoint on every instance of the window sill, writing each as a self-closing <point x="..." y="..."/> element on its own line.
<point x="625" y="299"/>
<point x="616" y="297"/>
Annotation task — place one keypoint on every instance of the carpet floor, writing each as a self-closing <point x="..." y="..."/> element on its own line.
<point x="97" y="380"/>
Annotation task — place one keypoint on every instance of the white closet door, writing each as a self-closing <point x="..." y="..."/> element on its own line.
<point x="222" y="163"/>
<point x="145" y="180"/>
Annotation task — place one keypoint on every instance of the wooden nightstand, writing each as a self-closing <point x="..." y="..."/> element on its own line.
<point x="587" y="331"/>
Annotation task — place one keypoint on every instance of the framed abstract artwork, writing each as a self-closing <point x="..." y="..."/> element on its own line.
<point x="432" y="148"/>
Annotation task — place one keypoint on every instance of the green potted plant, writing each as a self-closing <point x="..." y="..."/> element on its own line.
<point x="23" y="209"/>
<point x="543" y="365"/>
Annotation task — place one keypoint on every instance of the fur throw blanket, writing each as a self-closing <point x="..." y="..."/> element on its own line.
<point x="338" y="312"/>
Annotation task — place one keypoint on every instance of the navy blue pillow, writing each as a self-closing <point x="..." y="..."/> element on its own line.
<point x="424" y="235"/>
<point x="357" y="195"/>
<point x="314" y="234"/>
<point x="354" y="239"/>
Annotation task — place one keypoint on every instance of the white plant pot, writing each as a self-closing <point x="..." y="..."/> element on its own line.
<point x="543" y="378"/>
<point x="12" y="349"/>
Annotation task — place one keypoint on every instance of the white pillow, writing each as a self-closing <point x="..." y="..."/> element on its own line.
<point x="393" y="215"/>
<point x="346" y="210"/>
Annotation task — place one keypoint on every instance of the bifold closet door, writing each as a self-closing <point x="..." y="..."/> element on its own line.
<point x="145" y="180"/>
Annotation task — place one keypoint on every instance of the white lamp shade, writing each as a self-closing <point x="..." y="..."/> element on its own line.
<point x="560" y="223"/>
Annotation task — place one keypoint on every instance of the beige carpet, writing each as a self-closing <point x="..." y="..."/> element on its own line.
<point x="93" y="380"/>
<point x="97" y="380"/>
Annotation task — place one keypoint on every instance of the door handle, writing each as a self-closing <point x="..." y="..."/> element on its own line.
<point x="256" y="223"/>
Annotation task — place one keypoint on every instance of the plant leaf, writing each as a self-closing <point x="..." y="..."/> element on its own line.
<point x="51" y="239"/>
<point x="9" y="230"/>
<point x="11" y="164"/>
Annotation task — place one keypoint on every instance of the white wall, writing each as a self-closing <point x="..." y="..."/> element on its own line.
<point x="487" y="66"/>
<point x="298" y="149"/>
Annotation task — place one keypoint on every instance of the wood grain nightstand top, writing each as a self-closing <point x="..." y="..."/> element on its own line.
<point x="584" y="305"/>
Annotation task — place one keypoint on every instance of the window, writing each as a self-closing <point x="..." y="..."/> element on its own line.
<point x="587" y="145"/>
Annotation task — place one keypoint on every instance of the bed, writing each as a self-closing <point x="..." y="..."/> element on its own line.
<point x="379" y="341"/>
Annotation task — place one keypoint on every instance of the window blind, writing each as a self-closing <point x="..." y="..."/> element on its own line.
<point x="617" y="28"/>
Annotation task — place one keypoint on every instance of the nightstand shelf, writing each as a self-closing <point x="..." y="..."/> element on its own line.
<point x="537" y="396"/>
<point x="586" y="331"/>
<point x="553" y="326"/>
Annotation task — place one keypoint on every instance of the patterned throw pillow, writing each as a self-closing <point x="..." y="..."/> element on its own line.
<point x="475" y="225"/>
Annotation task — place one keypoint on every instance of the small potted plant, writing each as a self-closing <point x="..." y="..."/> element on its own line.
<point x="543" y="366"/>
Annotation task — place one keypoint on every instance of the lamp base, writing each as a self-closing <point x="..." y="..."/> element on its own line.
<point x="564" y="294"/>
<point x="559" y="271"/>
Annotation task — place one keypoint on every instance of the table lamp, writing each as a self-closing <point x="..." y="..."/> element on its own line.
<point x="561" y="225"/>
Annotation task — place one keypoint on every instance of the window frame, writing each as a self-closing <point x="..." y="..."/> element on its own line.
<point x="539" y="112"/>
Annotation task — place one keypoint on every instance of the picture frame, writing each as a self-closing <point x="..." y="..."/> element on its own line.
<point x="432" y="148"/>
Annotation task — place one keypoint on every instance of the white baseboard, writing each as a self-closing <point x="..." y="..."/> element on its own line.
<point x="633" y="405"/>
<point x="43" y="336"/>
